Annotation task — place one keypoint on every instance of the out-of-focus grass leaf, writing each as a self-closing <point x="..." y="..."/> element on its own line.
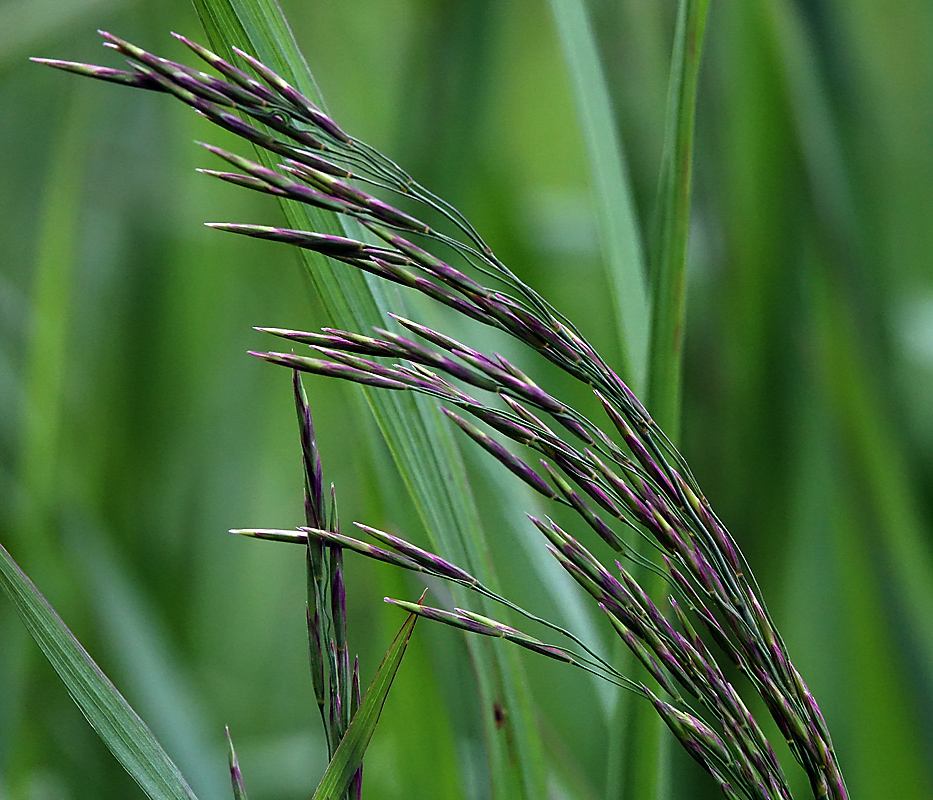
<point x="886" y="485"/>
<point x="847" y="643"/>
<point x="153" y="675"/>
<point x="621" y="237"/>
<point x="51" y="300"/>
<point x="50" y="309"/>
<point x="669" y="253"/>
<point x="27" y="23"/>
<point x="817" y="134"/>
<point x="349" y="754"/>
<point x="14" y="665"/>
<point x="421" y="444"/>
<point x="645" y="772"/>
<point x="883" y="486"/>
<point x="121" y="729"/>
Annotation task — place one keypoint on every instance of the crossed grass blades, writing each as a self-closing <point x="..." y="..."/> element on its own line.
<point x="634" y="478"/>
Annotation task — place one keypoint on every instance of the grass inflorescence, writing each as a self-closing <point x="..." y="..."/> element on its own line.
<point x="622" y="479"/>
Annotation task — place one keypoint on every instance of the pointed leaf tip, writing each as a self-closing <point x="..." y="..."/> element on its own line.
<point x="117" y="724"/>
<point x="236" y="777"/>
<point x="349" y="754"/>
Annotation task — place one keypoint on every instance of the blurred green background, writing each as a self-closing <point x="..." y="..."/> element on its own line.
<point x="135" y="430"/>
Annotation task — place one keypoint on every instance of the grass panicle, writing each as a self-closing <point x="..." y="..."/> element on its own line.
<point x="622" y="475"/>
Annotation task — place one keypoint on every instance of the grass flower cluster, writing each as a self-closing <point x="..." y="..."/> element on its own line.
<point x="625" y="480"/>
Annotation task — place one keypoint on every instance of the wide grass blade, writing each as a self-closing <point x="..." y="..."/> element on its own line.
<point x="121" y="729"/>
<point x="615" y="210"/>
<point x="893" y="527"/>
<point x="882" y="469"/>
<point x="421" y="444"/>
<point x="349" y="754"/>
<point x="669" y="256"/>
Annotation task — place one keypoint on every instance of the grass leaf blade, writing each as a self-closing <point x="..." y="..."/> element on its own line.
<point x="120" y="728"/>
<point x="645" y="773"/>
<point x="669" y="259"/>
<point x="421" y="444"/>
<point x="349" y="754"/>
<point x="621" y="238"/>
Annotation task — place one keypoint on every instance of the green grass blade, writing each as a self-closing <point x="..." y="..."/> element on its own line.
<point x="121" y="729"/>
<point x="885" y="483"/>
<point x="615" y="210"/>
<point x="52" y="300"/>
<point x="865" y="700"/>
<point x="137" y="650"/>
<point x="816" y="130"/>
<point x="893" y="524"/>
<point x="417" y="437"/>
<point x="669" y="257"/>
<point x="349" y="754"/>
<point x="645" y="760"/>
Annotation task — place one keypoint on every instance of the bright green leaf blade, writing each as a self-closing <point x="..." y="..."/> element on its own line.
<point x="615" y="210"/>
<point x="420" y="442"/>
<point x="121" y="729"/>
<point x="669" y="256"/>
<point x="847" y="650"/>
<point x="349" y="755"/>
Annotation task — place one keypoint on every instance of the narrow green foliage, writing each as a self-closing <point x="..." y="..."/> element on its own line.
<point x="120" y="728"/>
<point x="615" y="209"/>
<point x="46" y="359"/>
<point x="422" y="446"/>
<point x="642" y="483"/>
<point x="347" y="759"/>
<point x="669" y="254"/>
<point x="645" y="743"/>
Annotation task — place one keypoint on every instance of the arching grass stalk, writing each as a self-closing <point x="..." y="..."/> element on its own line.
<point x="633" y="477"/>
